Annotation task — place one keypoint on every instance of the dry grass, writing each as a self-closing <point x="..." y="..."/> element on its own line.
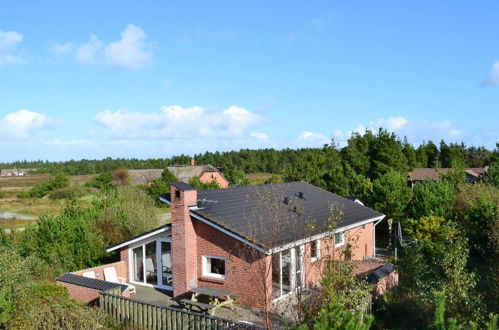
<point x="11" y="186"/>
<point x="259" y="178"/>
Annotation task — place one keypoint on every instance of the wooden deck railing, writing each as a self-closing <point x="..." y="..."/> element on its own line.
<point x="151" y="316"/>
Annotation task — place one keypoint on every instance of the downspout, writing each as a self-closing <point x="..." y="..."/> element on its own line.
<point x="374" y="236"/>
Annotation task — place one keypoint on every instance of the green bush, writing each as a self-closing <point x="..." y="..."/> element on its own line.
<point x="123" y="213"/>
<point x="101" y="181"/>
<point x="15" y="282"/>
<point x="42" y="189"/>
<point x="199" y="185"/>
<point x="66" y="242"/>
<point x="49" y="306"/>
<point x="161" y="185"/>
<point x="71" y="193"/>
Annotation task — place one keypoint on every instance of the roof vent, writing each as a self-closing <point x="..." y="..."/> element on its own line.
<point x="286" y="200"/>
<point x="300" y="194"/>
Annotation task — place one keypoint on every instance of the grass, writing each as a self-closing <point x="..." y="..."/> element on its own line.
<point x="35" y="207"/>
<point x="11" y="186"/>
<point x="14" y="223"/>
<point x="260" y="178"/>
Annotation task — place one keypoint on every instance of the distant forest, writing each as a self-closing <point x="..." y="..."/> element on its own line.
<point x="371" y="155"/>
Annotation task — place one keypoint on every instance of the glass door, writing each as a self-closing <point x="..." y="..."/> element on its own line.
<point x="152" y="264"/>
<point x="288" y="271"/>
<point x="166" y="264"/>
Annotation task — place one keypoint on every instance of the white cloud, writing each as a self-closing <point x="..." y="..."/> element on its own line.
<point x="86" y="53"/>
<point x="9" y="41"/>
<point x="493" y="77"/>
<point x="22" y="124"/>
<point x="311" y="139"/>
<point x="60" y="49"/>
<point x="131" y="51"/>
<point x="259" y="135"/>
<point x="416" y="131"/>
<point x="179" y="122"/>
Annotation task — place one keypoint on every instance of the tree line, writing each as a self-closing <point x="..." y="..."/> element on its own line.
<point x="370" y="154"/>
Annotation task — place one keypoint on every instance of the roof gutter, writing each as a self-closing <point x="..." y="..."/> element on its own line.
<point x="322" y="235"/>
<point x="137" y="239"/>
<point x="164" y="200"/>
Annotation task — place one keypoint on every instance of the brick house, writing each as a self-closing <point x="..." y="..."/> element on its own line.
<point x="205" y="173"/>
<point x="261" y="243"/>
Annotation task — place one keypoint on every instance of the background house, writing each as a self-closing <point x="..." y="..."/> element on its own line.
<point x="422" y="174"/>
<point x="184" y="173"/>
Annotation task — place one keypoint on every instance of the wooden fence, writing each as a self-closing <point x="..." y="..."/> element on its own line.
<point x="135" y="312"/>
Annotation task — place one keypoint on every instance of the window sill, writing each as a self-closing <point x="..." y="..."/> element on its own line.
<point x="339" y="245"/>
<point x="314" y="259"/>
<point x="212" y="279"/>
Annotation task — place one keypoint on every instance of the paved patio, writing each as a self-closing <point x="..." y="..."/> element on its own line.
<point x="240" y="313"/>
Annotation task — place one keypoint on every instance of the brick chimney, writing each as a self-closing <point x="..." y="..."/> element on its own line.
<point x="184" y="251"/>
<point x="193" y="162"/>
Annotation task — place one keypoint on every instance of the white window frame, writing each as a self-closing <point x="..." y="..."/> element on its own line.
<point x="342" y="235"/>
<point x="318" y="250"/>
<point x="142" y="244"/>
<point x="207" y="267"/>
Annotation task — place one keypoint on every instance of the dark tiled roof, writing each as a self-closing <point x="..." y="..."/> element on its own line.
<point x="183" y="186"/>
<point x="381" y="272"/>
<point x="274" y="214"/>
<point x="91" y="283"/>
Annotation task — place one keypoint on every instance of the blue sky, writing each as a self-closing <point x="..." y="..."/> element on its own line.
<point x="153" y="79"/>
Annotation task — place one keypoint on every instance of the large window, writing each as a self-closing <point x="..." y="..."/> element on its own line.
<point x="152" y="263"/>
<point x="339" y="239"/>
<point x="315" y="252"/>
<point x="138" y="272"/>
<point x="214" y="267"/>
<point x="288" y="271"/>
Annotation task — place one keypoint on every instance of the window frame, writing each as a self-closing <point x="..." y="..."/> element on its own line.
<point x="206" y="267"/>
<point x="317" y="243"/>
<point x="342" y="235"/>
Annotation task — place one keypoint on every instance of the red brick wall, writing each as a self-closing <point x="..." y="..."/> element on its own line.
<point x="120" y="266"/>
<point x="124" y="257"/>
<point x="90" y="296"/>
<point x="386" y="283"/>
<point x="248" y="271"/>
<point x="208" y="177"/>
<point x="361" y="240"/>
<point x="184" y="256"/>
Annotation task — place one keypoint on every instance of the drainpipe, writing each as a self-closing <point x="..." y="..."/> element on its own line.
<point x="374" y="236"/>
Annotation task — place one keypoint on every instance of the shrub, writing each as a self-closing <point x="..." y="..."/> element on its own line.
<point x="15" y="281"/>
<point x="123" y="213"/>
<point x="71" y="193"/>
<point x="161" y="185"/>
<point x="101" y="181"/>
<point x="42" y="189"/>
<point x="65" y="242"/>
<point x="121" y="176"/>
<point x="199" y="185"/>
<point x="51" y="307"/>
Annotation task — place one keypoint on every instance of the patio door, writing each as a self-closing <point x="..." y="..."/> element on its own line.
<point x="288" y="271"/>
<point x="166" y="278"/>
<point x="152" y="263"/>
<point x="300" y="267"/>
